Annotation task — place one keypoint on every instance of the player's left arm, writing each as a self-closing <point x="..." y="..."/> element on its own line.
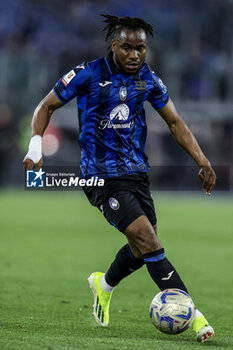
<point x="187" y="141"/>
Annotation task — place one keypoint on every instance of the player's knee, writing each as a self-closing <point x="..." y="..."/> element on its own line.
<point x="134" y="250"/>
<point x="136" y="253"/>
<point x="149" y="242"/>
<point x="144" y="239"/>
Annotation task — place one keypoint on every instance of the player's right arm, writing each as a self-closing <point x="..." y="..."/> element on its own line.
<point x="40" y="121"/>
<point x="64" y="91"/>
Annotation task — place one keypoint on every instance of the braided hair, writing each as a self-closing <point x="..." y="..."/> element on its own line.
<point x="115" y="24"/>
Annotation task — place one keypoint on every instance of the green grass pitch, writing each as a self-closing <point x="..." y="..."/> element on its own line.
<point x="51" y="242"/>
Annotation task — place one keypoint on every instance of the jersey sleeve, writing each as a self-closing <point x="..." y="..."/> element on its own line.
<point x="73" y="82"/>
<point x="159" y="95"/>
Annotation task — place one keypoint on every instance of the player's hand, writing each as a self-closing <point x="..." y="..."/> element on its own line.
<point x="29" y="164"/>
<point x="208" y="176"/>
<point x="34" y="155"/>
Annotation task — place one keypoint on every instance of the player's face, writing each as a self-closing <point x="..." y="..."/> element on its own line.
<point x="129" y="49"/>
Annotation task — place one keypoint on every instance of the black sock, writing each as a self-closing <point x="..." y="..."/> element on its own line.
<point x="123" y="265"/>
<point x="162" y="271"/>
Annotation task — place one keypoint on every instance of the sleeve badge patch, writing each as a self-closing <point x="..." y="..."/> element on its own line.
<point x="68" y="77"/>
<point x="163" y="87"/>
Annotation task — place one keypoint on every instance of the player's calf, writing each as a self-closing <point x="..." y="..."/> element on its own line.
<point x="124" y="264"/>
<point x="162" y="271"/>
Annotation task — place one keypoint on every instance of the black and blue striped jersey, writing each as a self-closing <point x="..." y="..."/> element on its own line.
<point x="111" y="115"/>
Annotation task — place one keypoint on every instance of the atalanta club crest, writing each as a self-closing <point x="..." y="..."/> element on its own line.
<point x="123" y="93"/>
<point x="114" y="204"/>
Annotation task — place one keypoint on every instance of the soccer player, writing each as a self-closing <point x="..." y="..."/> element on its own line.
<point x="110" y="93"/>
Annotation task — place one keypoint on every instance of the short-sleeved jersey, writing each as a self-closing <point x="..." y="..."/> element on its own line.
<point x="111" y="116"/>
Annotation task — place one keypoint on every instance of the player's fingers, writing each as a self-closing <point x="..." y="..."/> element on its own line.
<point x="28" y="164"/>
<point x="211" y="183"/>
<point x="209" y="190"/>
<point x="208" y="187"/>
<point x="39" y="164"/>
<point x="206" y="178"/>
<point x="207" y="175"/>
<point x="205" y="187"/>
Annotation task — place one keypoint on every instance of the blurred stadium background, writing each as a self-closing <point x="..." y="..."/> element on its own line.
<point x="192" y="51"/>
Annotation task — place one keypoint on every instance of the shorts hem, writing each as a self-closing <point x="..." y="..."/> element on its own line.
<point x="125" y="223"/>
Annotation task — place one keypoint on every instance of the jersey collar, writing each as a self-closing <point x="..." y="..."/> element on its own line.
<point x="113" y="69"/>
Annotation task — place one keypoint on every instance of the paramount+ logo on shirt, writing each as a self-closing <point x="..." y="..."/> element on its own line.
<point x="118" y="116"/>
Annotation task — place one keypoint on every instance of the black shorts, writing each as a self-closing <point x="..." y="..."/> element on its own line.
<point x="123" y="199"/>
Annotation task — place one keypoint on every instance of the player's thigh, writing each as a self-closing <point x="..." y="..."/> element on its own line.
<point x="121" y="209"/>
<point x="146" y="201"/>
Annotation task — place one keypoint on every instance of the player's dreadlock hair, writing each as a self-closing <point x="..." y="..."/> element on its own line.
<point x="115" y="24"/>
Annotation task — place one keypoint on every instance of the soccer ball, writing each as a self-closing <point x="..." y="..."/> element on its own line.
<point x="172" y="311"/>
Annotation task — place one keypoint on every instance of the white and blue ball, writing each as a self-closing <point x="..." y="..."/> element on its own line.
<point x="172" y="311"/>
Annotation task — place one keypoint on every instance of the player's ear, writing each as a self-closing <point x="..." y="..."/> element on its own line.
<point x="113" y="45"/>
